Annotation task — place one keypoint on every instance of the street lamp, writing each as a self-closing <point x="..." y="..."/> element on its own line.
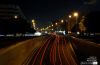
<point x="70" y="16"/>
<point x="76" y="16"/>
<point x="62" y="21"/>
<point x="69" y="27"/>
<point x="52" y="24"/>
<point x="15" y="17"/>
<point x="56" y="23"/>
<point x="33" y="23"/>
<point x="78" y="33"/>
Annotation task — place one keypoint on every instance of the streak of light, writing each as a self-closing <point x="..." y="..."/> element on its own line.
<point x="59" y="51"/>
<point x="64" y="54"/>
<point x="39" y="51"/>
<point x="44" y="52"/>
<point x="51" y="55"/>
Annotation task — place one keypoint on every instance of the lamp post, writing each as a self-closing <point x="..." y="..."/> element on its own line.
<point x="76" y="17"/>
<point x="69" y="28"/>
<point x="33" y="24"/>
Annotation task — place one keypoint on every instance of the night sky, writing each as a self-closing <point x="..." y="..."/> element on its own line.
<point x="45" y="11"/>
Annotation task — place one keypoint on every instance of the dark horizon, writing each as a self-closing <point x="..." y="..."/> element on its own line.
<point x="48" y="10"/>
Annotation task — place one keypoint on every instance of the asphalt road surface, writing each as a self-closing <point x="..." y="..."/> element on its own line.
<point x="56" y="50"/>
<point x="49" y="50"/>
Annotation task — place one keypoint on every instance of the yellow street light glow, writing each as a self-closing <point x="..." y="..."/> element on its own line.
<point x="52" y="24"/>
<point x="78" y="33"/>
<point x="33" y="21"/>
<point x="15" y="17"/>
<point x="62" y="21"/>
<point x="52" y="29"/>
<point x="56" y="23"/>
<point x="70" y="16"/>
<point x="75" y="14"/>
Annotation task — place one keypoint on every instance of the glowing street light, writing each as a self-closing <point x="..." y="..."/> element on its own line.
<point x="52" y="24"/>
<point x="76" y="16"/>
<point x="15" y="17"/>
<point x="78" y="33"/>
<point x="62" y="21"/>
<point x="70" y="16"/>
<point x="33" y="23"/>
<point x="69" y="23"/>
<point x="56" y="23"/>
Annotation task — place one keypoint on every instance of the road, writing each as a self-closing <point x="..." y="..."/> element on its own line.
<point x="85" y="49"/>
<point x="56" y="50"/>
<point x="49" y="50"/>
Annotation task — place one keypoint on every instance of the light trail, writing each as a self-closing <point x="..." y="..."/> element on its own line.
<point x="39" y="52"/>
<point x="64" y="54"/>
<point x="59" y="50"/>
<point x="44" y="52"/>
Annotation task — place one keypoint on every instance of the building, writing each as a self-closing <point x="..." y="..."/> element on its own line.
<point x="12" y="20"/>
<point x="10" y="11"/>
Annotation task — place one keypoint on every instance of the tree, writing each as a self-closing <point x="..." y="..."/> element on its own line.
<point x="81" y="25"/>
<point x="92" y="21"/>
